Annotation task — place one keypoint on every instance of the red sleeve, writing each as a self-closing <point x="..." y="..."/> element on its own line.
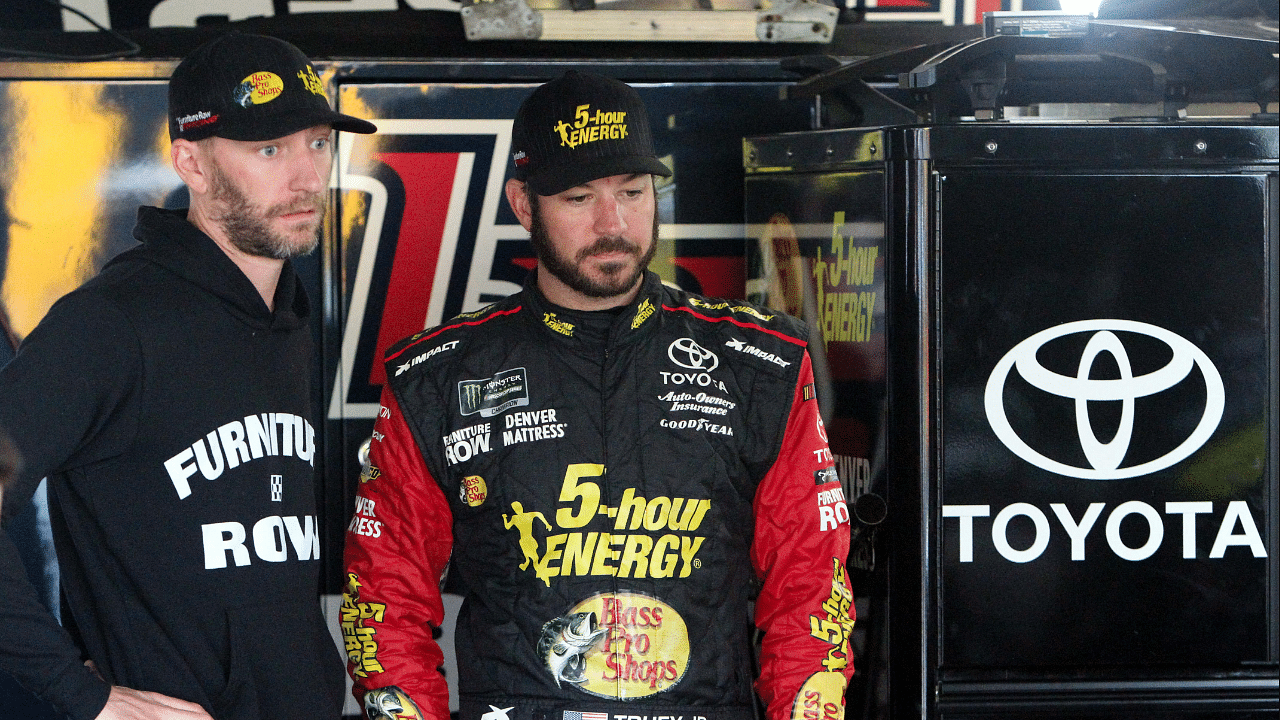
<point x="397" y="547"/>
<point x="801" y="542"/>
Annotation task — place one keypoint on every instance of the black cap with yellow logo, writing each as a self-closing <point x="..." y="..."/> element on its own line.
<point x="578" y="128"/>
<point x="250" y="87"/>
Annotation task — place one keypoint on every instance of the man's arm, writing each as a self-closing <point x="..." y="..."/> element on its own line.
<point x="397" y="548"/>
<point x="60" y="400"/>
<point x="801" y="542"/>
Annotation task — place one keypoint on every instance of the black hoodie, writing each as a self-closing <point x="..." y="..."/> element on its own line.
<point x="170" y="410"/>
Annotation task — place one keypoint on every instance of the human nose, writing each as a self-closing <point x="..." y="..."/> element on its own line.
<point x="311" y="172"/>
<point x="609" y="216"/>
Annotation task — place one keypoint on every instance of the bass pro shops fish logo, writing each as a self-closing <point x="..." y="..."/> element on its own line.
<point x="391" y="703"/>
<point x="618" y="645"/>
<point x="1104" y="336"/>
<point x="564" y="643"/>
<point x="260" y="87"/>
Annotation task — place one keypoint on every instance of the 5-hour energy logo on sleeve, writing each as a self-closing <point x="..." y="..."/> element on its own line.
<point x="822" y="695"/>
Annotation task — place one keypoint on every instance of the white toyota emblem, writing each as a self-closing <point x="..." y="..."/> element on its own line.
<point x="688" y="354"/>
<point x="1105" y="458"/>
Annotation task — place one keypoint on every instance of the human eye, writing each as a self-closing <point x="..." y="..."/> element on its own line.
<point x="321" y="143"/>
<point x="268" y="150"/>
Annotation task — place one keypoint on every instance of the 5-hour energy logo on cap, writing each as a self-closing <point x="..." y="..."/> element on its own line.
<point x="587" y="127"/>
<point x="310" y="81"/>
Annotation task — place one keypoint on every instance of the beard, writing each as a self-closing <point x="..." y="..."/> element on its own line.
<point x="568" y="270"/>
<point x="247" y="226"/>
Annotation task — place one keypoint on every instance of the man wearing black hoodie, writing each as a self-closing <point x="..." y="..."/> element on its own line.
<point x="168" y="402"/>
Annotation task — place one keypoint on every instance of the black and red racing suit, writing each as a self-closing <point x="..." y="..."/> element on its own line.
<point x="608" y="493"/>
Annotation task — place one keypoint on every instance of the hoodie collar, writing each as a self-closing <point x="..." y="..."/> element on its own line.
<point x="170" y="241"/>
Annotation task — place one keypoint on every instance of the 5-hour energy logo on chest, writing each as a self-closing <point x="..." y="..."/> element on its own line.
<point x="639" y="537"/>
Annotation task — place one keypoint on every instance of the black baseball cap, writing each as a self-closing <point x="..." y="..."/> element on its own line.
<point x="578" y="128"/>
<point x="250" y="87"/>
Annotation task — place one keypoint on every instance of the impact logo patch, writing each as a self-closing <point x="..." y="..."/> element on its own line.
<point x="258" y="89"/>
<point x="497" y="713"/>
<point x="424" y="356"/>
<point x="505" y="390"/>
<point x="742" y="347"/>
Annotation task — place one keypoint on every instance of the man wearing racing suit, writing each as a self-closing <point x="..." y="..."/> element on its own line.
<point x="610" y="470"/>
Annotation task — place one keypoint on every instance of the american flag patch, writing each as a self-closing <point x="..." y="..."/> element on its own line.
<point x="574" y="715"/>
<point x="807" y="391"/>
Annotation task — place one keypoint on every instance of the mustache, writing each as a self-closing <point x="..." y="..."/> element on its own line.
<point x="609" y="244"/>
<point x="312" y="202"/>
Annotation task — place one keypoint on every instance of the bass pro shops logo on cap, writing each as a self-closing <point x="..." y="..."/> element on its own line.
<point x="258" y="88"/>
<point x="264" y="86"/>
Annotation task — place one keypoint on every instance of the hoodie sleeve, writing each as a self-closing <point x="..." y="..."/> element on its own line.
<point x="801" y="541"/>
<point x="65" y="400"/>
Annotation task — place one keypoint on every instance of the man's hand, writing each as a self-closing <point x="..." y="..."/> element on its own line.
<point x="128" y="704"/>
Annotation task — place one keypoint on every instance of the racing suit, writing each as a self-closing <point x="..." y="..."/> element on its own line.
<point x="608" y="493"/>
